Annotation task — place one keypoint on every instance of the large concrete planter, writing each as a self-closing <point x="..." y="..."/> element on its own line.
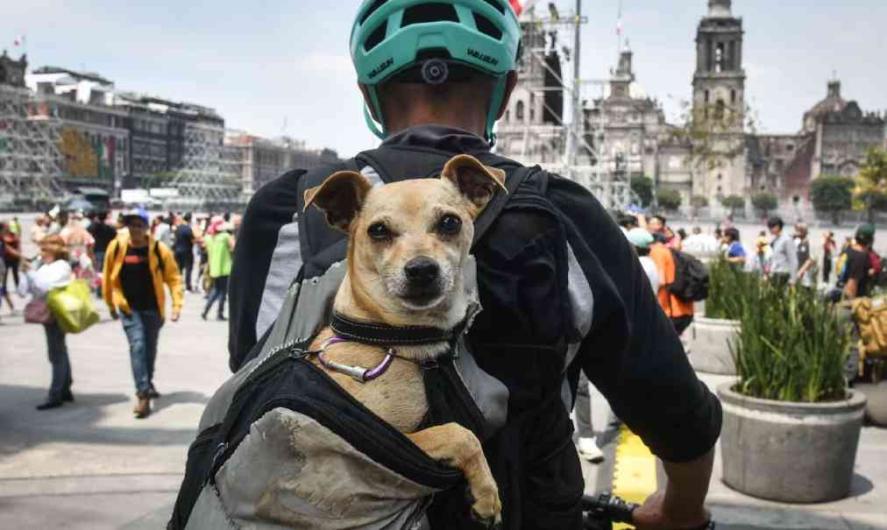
<point x="789" y="452"/>
<point x="876" y="401"/>
<point x="709" y="345"/>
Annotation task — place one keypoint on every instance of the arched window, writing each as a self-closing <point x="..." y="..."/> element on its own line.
<point x="519" y="111"/>
<point x="733" y="96"/>
<point x="719" y="109"/>
<point x="507" y="116"/>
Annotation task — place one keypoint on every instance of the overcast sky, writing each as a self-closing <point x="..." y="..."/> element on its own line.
<point x="275" y="66"/>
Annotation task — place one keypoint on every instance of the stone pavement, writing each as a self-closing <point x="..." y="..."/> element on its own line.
<point x="91" y="465"/>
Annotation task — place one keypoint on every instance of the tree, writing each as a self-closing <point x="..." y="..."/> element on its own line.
<point x="670" y="200"/>
<point x="764" y="202"/>
<point x="643" y="188"/>
<point x="733" y="203"/>
<point x="832" y="195"/>
<point x="871" y="184"/>
<point x="697" y="202"/>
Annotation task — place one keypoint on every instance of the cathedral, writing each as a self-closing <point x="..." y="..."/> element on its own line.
<point x="713" y="153"/>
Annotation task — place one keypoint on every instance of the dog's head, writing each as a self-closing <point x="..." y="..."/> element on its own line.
<point x="408" y="240"/>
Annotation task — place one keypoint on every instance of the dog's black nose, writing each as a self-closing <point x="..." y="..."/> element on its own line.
<point x="421" y="271"/>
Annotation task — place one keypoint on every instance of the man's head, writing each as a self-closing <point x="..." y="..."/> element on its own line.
<point x="435" y="61"/>
<point x="801" y="231"/>
<point x="656" y="224"/>
<point x="408" y="241"/>
<point x="865" y="235"/>
<point x="775" y="225"/>
<point x="731" y="234"/>
<point x="136" y="221"/>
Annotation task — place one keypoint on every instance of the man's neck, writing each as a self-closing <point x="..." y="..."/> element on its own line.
<point x="138" y="243"/>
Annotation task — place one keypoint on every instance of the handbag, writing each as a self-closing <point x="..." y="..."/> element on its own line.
<point x="37" y="312"/>
<point x="72" y="307"/>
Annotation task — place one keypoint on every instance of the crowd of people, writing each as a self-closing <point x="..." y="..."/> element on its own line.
<point x="131" y="265"/>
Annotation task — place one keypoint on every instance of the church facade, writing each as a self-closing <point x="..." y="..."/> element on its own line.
<point x="714" y="152"/>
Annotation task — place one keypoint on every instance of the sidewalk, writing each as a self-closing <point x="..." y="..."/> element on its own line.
<point x="91" y="465"/>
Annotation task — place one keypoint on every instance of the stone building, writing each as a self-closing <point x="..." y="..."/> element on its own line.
<point x="261" y="160"/>
<point x="12" y="72"/>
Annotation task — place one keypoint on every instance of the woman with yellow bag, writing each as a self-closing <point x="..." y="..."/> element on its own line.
<point x="52" y="272"/>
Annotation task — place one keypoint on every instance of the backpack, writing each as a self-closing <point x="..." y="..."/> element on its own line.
<point x="874" y="263"/>
<point x="257" y="437"/>
<point x="690" y="278"/>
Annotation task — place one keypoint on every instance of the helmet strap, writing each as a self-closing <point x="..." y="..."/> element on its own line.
<point x="495" y="102"/>
<point x="380" y="132"/>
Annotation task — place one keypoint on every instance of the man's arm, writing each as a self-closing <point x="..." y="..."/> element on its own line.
<point x="635" y="358"/>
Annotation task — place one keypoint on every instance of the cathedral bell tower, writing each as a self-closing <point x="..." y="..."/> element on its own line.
<point x="719" y="102"/>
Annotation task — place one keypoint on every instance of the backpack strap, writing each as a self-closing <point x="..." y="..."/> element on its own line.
<point x="512" y="182"/>
<point x="157" y="254"/>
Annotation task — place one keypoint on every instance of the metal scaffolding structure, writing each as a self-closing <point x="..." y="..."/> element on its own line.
<point x="573" y="142"/>
<point x="209" y="176"/>
<point x="30" y="159"/>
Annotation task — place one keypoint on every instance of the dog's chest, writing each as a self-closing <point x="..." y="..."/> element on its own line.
<point x="397" y="396"/>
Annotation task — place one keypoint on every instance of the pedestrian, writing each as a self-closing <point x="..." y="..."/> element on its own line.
<point x="52" y="271"/>
<point x="641" y="240"/>
<point x="784" y="257"/>
<point x="679" y="311"/>
<point x="136" y="269"/>
<point x="201" y="235"/>
<point x="12" y="253"/>
<point x="854" y="279"/>
<point x="38" y="230"/>
<point x="184" y="249"/>
<point x="163" y="230"/>
<point x="735" y="252"/>
<point x="4" y="291"/>
<point x="102" y="234"/>
<point x="15" y="226"/>
<point x="220" y="251"/>
<point x="806" y="275"/>
<point x="829" y="246"/>
<point x="80" y="247"/>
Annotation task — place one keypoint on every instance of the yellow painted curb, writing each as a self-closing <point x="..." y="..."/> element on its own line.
<point x="634" y="472"/>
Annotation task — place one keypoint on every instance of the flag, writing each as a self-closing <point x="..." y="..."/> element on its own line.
<point x="20" y="40"/>
<point x="619" y="27"/>
<point x="516" y="5"/>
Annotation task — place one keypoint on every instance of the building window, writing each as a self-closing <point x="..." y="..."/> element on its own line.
<point x="733" y="96"/>
<point x="507" y="116"/>
<point x="719" y="109"/>
<point x="720" y="177"/>
<point x="707" y="97"/>
<point x="719" y="57"/>
<point x="519" y="111"/>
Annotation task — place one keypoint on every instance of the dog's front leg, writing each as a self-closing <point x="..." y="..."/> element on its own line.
<point x="460" y="448"/>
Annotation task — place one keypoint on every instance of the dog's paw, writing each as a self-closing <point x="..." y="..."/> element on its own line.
<point x="486" y="507"/>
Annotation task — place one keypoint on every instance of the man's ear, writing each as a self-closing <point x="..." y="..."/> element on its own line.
<point x="340" y="197"/>
<point x="477" y="182"/>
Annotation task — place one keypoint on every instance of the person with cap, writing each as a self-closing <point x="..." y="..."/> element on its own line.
<point x="136" y="269"/>
<point x="220" y="253"/>
<point x="641" y="240"/>
<point x="854" y="278"/>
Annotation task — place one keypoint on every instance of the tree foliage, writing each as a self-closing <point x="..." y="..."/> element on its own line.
<point x="832" y="195"/>
<point x="699" y="201"/>
<point x="764" y="202"/>
<point x="643" y="188"/>
<point x="733" y="203"/>
<point x="870" y="193"/>
<point x="669" y="199"/>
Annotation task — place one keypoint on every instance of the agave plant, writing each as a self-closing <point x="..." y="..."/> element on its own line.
<point x="792" y="346"/>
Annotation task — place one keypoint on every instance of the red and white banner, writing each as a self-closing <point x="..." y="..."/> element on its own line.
<point x="520" y="6"/>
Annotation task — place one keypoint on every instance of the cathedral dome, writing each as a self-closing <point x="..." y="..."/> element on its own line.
<point x="832" y="103"/>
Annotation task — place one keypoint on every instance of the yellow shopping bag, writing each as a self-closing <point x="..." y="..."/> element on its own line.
<point x="72" y="306"/>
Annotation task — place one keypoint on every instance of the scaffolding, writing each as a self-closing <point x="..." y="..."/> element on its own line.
<point x="210" y="176"/>
<point x="30" y="159"/>
<point x="569" y="146"/>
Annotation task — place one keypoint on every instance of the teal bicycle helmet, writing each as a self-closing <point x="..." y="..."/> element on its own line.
<point x="390" y="37"/>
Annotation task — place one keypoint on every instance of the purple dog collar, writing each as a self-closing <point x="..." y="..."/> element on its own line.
<point x="358" y="373"/>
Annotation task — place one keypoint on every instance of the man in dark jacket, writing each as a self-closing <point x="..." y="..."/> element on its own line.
<point x="541" y="324"/>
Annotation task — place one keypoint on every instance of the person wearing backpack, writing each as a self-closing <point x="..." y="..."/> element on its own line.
<point x="678" y="309"/>
<point x="562" y="290"/>
<point x="136" y="268"/>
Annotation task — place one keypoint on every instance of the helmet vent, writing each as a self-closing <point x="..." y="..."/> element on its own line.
<point x="486" y="26"/>
<point x="377" y="36"/>
<point x="372" y="9"/>
<point x="429" y="13"/>
<point x="498" y="5"/>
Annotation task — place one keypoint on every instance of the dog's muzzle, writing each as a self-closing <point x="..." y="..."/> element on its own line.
<point x="423" y="280"/>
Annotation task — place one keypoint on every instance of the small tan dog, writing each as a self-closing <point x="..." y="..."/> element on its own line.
<point x="408" y="243"/>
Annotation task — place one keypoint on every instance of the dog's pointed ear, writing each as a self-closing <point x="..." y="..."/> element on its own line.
<point x="340" y="197"/>
<point x="477" y="182"/>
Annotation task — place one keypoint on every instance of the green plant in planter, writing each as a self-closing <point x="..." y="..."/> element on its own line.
<point x="728" y="286"/>
<point x="791" y="346"/>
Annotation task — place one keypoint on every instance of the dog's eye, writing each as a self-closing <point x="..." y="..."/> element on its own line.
<point x="449" y="225"/>
<point x="379" y="232"/>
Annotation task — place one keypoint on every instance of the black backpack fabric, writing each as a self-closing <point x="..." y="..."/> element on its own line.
<point x="690" y="278"/>
<point x="271" y="384"/>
